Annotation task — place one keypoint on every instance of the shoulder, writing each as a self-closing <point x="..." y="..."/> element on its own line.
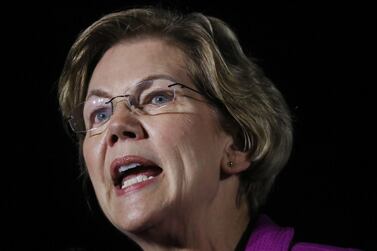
<point x="267" y="235"/>
<point x="304" y="246"/>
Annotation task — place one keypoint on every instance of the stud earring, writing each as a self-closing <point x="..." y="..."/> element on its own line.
<point x="230" y="164"/>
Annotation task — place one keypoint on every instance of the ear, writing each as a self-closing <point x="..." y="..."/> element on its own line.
<point x="234" y="161"/>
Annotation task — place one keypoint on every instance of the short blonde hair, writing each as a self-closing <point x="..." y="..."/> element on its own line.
<point x="250" y="108"/>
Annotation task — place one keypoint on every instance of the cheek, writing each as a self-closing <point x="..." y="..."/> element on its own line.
<point x="195" y="142"/>
<point x="187" y="133"/>
<point x="92" y="158"/>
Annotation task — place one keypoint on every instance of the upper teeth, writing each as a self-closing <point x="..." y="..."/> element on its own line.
<point x="128" y="167"/>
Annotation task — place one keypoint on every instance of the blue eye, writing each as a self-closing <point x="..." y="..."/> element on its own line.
<point x="102" y="115"/>
<point x="159" y="98"/>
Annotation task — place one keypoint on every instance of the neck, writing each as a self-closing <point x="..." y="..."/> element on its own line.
<point x="217" y="226"/>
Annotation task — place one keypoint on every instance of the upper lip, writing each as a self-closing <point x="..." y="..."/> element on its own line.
<point x="126" y="160"/>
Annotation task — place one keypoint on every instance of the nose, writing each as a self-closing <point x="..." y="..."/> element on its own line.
<point x="124" y="125"/>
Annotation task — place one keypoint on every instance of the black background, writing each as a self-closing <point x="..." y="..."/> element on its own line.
<point x="321" y="57"/>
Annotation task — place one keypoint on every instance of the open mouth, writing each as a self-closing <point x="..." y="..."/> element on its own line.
<point x="132" y="170"/>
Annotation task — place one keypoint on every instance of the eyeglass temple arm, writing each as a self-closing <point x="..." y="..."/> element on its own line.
<point x="185" y="86"/>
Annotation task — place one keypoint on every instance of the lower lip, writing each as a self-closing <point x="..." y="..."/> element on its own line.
<point x="135" y="187"/>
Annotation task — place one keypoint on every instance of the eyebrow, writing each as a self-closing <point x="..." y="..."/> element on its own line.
<point x="158" y="76"/>
<point x="98" y="93"/>
<point x="104" y="94"/>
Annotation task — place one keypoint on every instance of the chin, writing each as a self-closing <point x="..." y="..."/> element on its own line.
<point x="137" y="210"/>
<point x="135" y="219"/>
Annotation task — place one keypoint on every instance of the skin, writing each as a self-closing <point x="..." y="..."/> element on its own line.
<point x="188" y="206"/>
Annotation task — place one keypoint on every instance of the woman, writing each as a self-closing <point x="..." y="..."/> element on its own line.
<point x="180" y="133"/>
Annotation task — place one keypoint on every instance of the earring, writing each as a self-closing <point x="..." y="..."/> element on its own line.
<point x="230" y="164"/>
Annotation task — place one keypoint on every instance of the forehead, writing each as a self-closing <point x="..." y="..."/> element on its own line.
<point x="128" y="62"/>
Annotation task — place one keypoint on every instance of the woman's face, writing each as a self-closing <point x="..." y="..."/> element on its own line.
<point x="175" y="157"/>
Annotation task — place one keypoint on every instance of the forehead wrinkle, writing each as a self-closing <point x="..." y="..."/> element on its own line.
<point x="151" y="78"/>
<point x="177" y="69"/>
<point x="105" y="94"/>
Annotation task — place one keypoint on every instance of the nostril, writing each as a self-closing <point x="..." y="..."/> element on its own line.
<point x="126" y="134"/>
<point x="129" y="134"/>
<point x="114" y="138"/>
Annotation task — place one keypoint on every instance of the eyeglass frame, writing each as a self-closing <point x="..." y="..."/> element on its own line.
<point x="129" y="105"/>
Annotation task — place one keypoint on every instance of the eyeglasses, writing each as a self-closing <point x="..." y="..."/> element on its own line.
<point x="150" y="97"/>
